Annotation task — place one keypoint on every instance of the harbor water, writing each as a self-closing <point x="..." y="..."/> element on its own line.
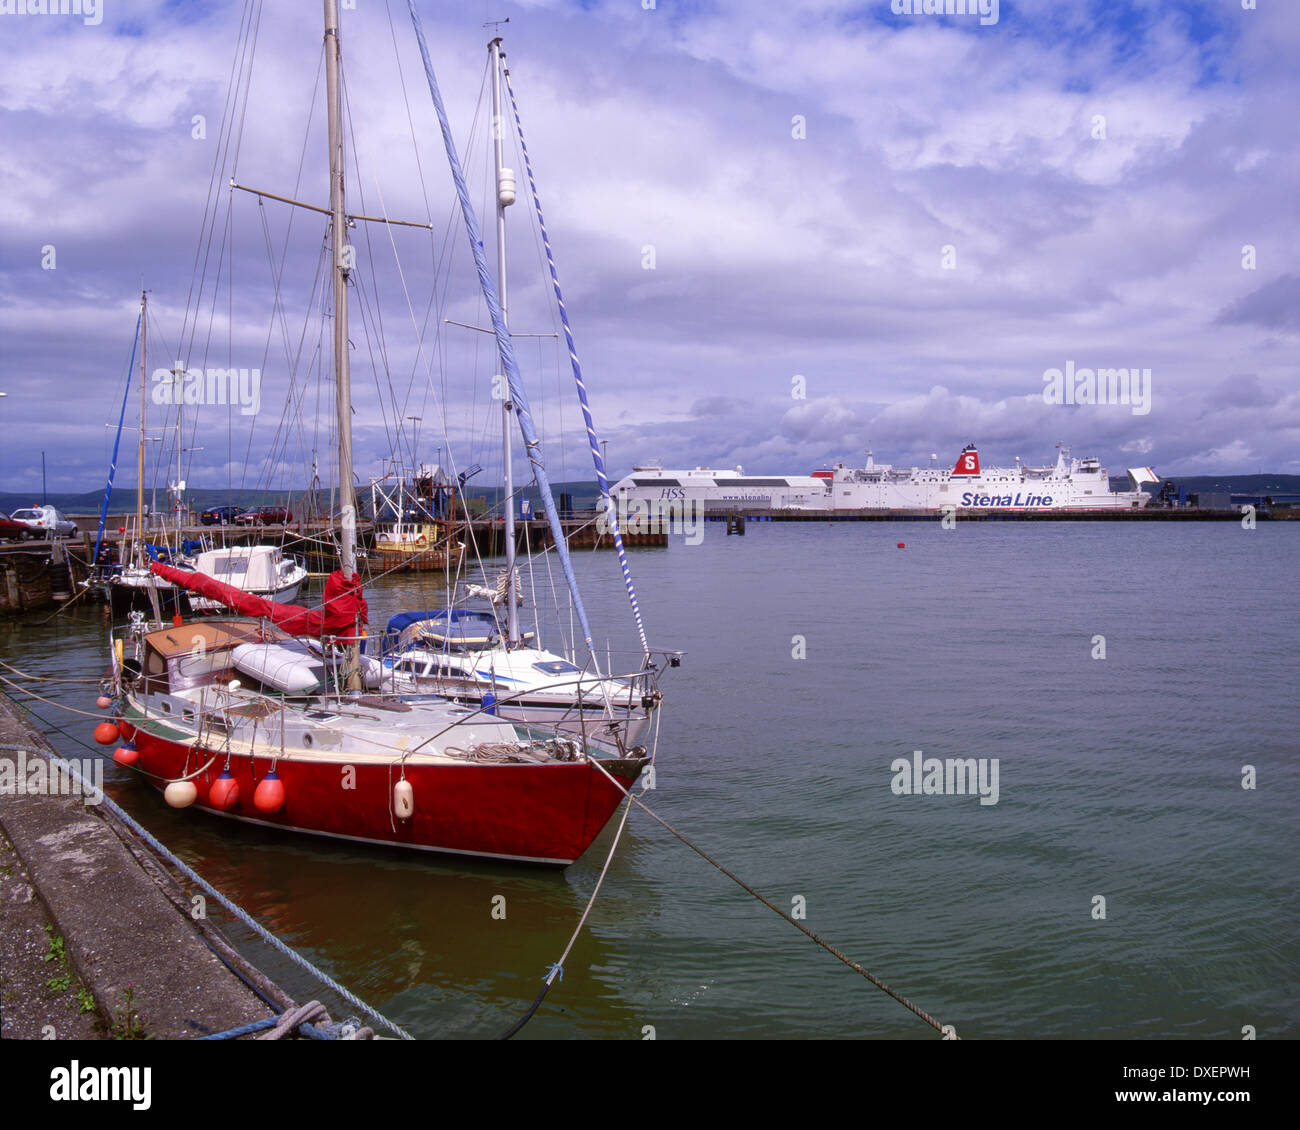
<point x="1120" y="682"/>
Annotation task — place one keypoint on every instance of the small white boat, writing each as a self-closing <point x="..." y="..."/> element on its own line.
<point x="462" y="655"/>
<point x="258" y="569"/>
<point x="298" y="667"/>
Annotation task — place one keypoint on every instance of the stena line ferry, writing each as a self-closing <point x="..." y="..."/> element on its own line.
<point x="1071" y="484"/>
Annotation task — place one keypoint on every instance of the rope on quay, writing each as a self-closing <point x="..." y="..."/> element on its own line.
<point x="946" y="1031"/>
<point x="261" y="931"/>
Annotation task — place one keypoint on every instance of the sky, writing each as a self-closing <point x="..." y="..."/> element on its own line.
<point x="786" y="232"/>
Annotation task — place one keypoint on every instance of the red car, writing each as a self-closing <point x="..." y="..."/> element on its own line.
<point x="264" y="516"/>
<point x="11" y="529"/>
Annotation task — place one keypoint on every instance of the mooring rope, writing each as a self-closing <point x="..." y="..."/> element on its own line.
<point x="945" y="1030"/>
<point x="248" y="920"/>
<point x="557" y="970"/>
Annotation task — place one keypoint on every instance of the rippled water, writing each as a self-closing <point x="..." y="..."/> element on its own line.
<point x="1118" y="777"/>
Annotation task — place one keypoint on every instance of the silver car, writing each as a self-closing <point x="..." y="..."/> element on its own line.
<point x="44" y="522"/>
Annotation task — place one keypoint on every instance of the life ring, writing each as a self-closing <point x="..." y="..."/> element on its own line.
<point x="421" y="540"/>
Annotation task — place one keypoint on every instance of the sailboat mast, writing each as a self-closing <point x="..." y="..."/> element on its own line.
<point x="137" y="549"/>
<point x="504" y="200"/>
<point x="177" y="388"/>
<point x="342" y="374"/>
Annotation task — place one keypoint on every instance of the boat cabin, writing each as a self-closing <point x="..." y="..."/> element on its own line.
<point x="262" y="657"/>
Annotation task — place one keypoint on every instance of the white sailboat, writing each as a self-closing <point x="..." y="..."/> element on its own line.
<point x="488" y="659"/>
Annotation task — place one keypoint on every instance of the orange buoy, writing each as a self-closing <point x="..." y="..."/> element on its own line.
<point x="268" y="797"/>
<point x="106" y="733"/>
<point x="103" y="702"/>
<point x="181" y="794"/>
<point x="178" y="620"/>
<point x="126" y="756"/>
<point x="224" y="793"/>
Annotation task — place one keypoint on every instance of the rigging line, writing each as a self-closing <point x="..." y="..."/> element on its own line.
<point x="277" y="272"/>
<point x="112" y="466"/>
<point x="505" y="346"/>
<point x="557" y="970"/>
<point x="248" y="86"/>
<point x="377" y="317"/>
<point x="219" y="155"/>
<point x="596" y="458"/>
<point x="945" y="1030"/>
<point x="438" y="256"/>
<point x="237" y="110"/>
<point x="421" y="356"/>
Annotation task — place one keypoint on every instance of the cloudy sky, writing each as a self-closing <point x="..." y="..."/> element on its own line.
<point x="786" y="231"/>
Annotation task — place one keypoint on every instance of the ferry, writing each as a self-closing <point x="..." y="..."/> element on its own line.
<point x="1069" y="484"/>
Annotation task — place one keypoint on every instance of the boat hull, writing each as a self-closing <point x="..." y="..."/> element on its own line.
<point x="391" y="557"/>
<point x="125" y="598"/>
<point x="545" y="814"/>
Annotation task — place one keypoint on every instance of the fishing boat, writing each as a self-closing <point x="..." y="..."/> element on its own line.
<point x="416" y="533"/>
<point x="272" y="715"/>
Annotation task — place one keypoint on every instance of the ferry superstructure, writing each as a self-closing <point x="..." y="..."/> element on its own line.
<point x="721" y="490"/>
<point x="1069" y="484"/>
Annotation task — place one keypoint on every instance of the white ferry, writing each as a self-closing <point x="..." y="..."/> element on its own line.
<point x="722" y="490"/>
<point x="1071" y="484"/>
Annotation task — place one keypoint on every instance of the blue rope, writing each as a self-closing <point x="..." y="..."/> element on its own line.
<point x="252" y="923"/>
<point x="596" y="459"/>
<point x="235" y="1033"/>
<point x="532" y="445"/>
<point x="112" y="467"/>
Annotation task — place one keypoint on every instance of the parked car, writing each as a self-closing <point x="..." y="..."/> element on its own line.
<point x="264" y="516"/>
<point x="11" y="529"/>
<point x="220" y="515"/>
<point x="44" y="522"/>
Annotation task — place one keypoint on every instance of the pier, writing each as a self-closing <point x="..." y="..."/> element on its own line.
<point x="1146" y="514"/>
<point x="121" y="941"/>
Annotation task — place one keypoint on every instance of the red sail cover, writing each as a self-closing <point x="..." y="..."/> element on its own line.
<point x="345" y="606"/>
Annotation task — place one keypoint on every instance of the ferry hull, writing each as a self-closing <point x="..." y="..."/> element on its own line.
<point x="547" y="814"/>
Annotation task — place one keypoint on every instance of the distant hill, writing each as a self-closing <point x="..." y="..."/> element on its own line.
<point x="122" y="500"/>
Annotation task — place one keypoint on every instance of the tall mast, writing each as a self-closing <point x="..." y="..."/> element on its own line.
<point x="177" y="391"/>
<point x="505" y="197"/>
<point x="342" y="374"/>
<point x="137" y="550"/>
